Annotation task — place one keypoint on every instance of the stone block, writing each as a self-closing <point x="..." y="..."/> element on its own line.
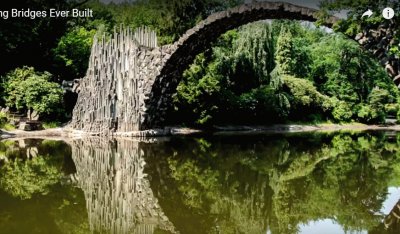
<point x="30" y="126"/>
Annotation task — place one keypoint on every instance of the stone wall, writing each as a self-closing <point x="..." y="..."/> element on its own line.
<point x="111" y="95"/>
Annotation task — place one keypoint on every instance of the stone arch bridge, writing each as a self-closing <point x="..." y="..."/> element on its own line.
<point x="130" y="80"/>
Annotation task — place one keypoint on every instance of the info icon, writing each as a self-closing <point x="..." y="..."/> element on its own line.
<point x="388" y="13"/>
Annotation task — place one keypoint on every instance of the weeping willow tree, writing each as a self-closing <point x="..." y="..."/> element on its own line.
<point x="236" y="77"/>
<point x="252" y="55"/>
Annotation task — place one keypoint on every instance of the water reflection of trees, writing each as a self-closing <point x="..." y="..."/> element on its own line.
<point x="32" y="199"/>
<point x="25" y="172"/>
<point x="280" y="183"/>
<point x="219" y="185"/>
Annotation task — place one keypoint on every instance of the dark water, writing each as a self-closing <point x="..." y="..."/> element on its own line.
<point x="297" y="183"/>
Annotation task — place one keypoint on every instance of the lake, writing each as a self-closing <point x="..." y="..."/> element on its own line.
<point x="340" y="182"/>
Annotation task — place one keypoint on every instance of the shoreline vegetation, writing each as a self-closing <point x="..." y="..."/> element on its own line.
<point x="217" y="130"/>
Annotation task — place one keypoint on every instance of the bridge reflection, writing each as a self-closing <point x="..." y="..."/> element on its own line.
<point x="392" y="221"/>
<point x="117" y="191"/>
<point x="230" y="192"/>
<point x="212" y="185"/>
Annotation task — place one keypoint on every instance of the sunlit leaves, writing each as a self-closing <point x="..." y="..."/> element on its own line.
<point x="73" y="50"/>
<point x="27" y="89"/>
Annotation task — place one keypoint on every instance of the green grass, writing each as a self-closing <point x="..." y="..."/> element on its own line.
<point x="7" y="126"/>
<point x="51" y="124"/>
<point x="4" y="122"/>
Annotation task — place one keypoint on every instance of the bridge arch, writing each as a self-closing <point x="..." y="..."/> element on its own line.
<point x="130" y="80"/>
<point x="182" y="53"/>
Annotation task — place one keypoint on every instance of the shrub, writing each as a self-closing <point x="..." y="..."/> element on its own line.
<point x="305" y="100"/>
<point x="369" y="114"/>
<point x="392" y="108"/>
<point x="341" y="111"/>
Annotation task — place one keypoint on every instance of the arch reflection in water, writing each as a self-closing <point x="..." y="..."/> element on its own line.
<point x="294" y="183"/>
<point x="117" y="191"/>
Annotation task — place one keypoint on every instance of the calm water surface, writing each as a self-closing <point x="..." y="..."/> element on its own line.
<point x="292" y="183"/>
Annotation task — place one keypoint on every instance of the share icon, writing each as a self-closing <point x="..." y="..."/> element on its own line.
<point x="367" y="13"/>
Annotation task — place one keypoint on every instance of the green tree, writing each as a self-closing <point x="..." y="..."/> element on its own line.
<point x="331" y="78"/>
<point x="73" y="50"/>
<point x="26" y="41"/>
<point x="26" y="89"/>
<point x="306" y="103"/>
<point x="349" y="74"/>
<point x="169" y="18"/>
<point x="284" y="51"/>
<point x="354" y="23"/>
<point x="236" y="77"/>
<point x="375" y="111"/>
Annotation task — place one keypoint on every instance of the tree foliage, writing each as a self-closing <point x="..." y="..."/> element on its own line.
<point x="236" y="78"/>
<point x="73" y="50"/>
<point x="285" y="71"/>
<point x="354" y="23"/>
<point x="25" y="89"/>
<point x="284" y="51"/>
<point x="26" y="41"/>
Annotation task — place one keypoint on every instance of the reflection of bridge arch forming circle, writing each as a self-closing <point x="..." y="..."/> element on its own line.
<point x="130" y="80"/>
<point x="392" y="220"/>
<point x="118" y="195"/>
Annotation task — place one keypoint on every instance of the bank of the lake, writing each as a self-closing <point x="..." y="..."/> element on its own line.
<point x="54" y="132"/>
<point x="177" y="130"/>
